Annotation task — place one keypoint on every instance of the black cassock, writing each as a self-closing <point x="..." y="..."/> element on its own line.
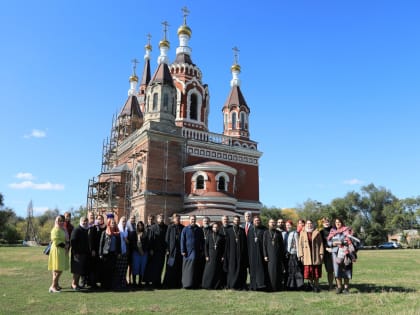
<point x="173" y="272"/>
<point x="236" y="258"/>
<point x="273" y="247"/>
<point x="257" y="265"/>
<point x="214" y="249"/>
<point x="156" y="261"/>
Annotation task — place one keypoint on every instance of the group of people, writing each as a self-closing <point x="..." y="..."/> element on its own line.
<point x="214" y="255"/>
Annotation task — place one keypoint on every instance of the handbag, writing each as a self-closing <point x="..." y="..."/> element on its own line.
<point x="47" y="249"/>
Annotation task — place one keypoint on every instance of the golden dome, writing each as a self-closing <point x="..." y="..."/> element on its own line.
<point x="236" y="67"/>
<point x="133" y="78"/>
<point x="164" y="42"/>
<point x="148" y="47"/>
<point x="184" y="29"/>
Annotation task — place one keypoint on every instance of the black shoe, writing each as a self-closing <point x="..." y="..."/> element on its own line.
<point x="317" y="289"/>
<point x="339" y="290"/>
<point x="346" y="291"/>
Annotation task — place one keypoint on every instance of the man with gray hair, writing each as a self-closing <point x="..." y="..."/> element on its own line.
<point x="248" y="221"/>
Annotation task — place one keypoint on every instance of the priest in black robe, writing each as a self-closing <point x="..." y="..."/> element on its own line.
<point x="157" y="252"/>
<point x="192" y="248"/>
<point x="274" y="255"/>
<point x="173" y="272"/>
<point x="257" y="265"/>
<point x="236" y="256"/>
<point x="214" y="249"/>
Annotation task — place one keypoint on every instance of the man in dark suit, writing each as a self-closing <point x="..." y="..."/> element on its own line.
<point x="248" y="222"/>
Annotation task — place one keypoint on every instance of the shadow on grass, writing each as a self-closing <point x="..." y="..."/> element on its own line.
<point x="373" y="288"/>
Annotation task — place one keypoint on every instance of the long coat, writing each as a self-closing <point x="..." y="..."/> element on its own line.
<point x="311" y="252"/>
<point x="174" y="262"/>
<point x="258" y="272"/>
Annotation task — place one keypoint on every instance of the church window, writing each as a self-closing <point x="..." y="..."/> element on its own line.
<point x="199" y="184"/>
<point x="222" y="180"/>
<point x="243" y="121"/>
<point x="193" y="107"/>
<point x="165" y="102"/>
<point x="155" y="101"/>
<point x="221" y="185"/>
<point x="234" y="120"/>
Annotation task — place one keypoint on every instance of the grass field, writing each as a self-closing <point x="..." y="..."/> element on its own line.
<point x="385" y="282"/>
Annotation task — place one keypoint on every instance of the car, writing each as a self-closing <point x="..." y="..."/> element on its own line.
<point x="389" y="245"/>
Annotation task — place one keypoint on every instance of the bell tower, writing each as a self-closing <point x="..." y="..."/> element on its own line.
<point x="160" y="92"/>
<point x="236" y="111"/>
<point x="192" y="108"/>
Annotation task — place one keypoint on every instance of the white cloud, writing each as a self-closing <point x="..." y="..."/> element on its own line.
<point x="353" y="181"/>
<point x="36" y="186"/>
<point x="22" y="175"/>
<point x="36" y="133"/>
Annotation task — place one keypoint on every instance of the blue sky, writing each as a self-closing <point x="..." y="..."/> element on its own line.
<point x="333" y="88"/>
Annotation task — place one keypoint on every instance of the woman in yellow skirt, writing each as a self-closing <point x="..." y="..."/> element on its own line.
<point x="58" y="258"/>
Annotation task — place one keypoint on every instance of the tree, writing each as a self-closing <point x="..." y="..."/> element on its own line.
<point x="268" y="213"/>
<point x="1" y="200"/>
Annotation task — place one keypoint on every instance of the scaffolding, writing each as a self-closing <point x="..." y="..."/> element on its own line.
<point x="111" y="191"/>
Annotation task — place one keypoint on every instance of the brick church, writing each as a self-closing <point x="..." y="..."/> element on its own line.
<point x="161" y="157"/>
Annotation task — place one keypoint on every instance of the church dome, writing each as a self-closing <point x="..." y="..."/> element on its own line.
<point x="184" y="29"/>
<point x="133" y="78"/>
<point x="236" y="67"/>
<point x="164" y="43"/>
<point x="148" y="47"/>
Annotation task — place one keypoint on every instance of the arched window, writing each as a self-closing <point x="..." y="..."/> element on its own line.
<point x="199" y="180"/>
<point x="221" y="184"/>
<point x="165" y="102"/>
<point x="199" y="184"/>
<point x="193" y="106"/>
<point x="155" y="101"/>
<point x="234" y="120"/>
<point x="243" y="121"/>
<point x="226" y="120"/>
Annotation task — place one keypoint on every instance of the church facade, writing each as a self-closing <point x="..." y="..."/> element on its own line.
<point x="161" y="157"/>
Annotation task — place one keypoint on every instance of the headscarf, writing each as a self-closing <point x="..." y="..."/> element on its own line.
<point x="123" y="234"/>
<point x="344" y="229"/>
<point x="110" y="230"/>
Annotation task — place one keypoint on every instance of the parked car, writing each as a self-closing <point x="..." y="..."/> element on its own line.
<point x="389" y="245"/>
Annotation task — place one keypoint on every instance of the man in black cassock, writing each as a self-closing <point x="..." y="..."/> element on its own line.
<point x="236" y="256"/>
<point x="274" y="254"/>
<point x="192" y="248"/>
<point x="173" y="272"/>
<point x="157" y="252"/>
<point x="257" y="265"/>
<point x="225" y="225"/>
<point x="214" y="249"/>
<point x="207" y="229"/>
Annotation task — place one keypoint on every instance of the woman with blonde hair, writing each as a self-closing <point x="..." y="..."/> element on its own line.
<point x="58" y="257"/>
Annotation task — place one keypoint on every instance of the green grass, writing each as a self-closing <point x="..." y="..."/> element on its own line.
<point x="385" y="282"/>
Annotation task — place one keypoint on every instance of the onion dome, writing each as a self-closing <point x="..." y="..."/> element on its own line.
<point x="184" y="29"/>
